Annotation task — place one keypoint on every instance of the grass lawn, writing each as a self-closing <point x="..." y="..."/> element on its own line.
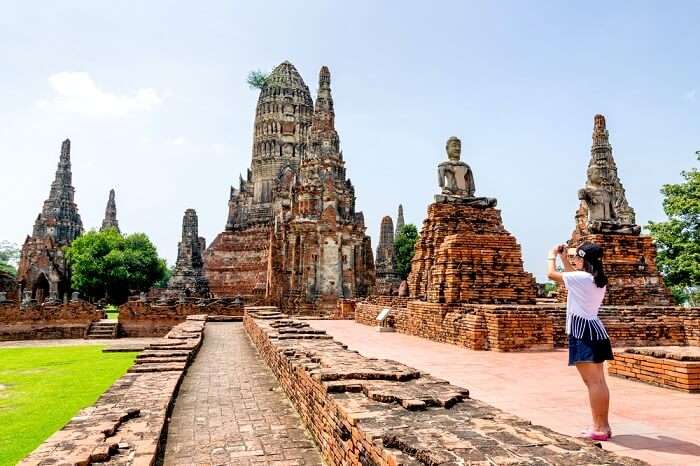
<point x="42" y="388"/>
<point x="112" y="312"/>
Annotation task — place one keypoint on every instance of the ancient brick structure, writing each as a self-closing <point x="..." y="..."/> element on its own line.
<point x="399" y="221"/>
<point x="188" y="278"/>
<point x="127" y="423"/>
<point x="43" y="271"/>
<point x="110" y="220"/>
<point x="154" y="318"/>
<point x="464" y="254"/>
<point x="605" y="218"/>
<point x="385" y="261"/>
<point x="529" y="327"/>
<point x="293" y="236"/>
<point x="677" y="368"/>
<point x="364" y="411"/>
<point x="46" y="321"/>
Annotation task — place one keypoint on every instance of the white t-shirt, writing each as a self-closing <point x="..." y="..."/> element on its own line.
<point x="583" y="301"/>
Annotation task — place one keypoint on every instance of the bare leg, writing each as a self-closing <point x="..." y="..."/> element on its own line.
<point x="593" y="376"/>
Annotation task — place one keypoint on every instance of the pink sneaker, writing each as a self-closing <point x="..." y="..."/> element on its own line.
<point x="597" y="437"/>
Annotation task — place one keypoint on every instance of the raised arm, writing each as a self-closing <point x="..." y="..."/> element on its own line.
<point x="552" y="272"/>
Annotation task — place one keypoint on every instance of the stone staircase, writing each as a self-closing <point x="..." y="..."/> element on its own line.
<point x="103" y="328"/>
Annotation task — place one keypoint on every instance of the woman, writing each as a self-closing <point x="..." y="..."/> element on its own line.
<point x="589" y="345"/>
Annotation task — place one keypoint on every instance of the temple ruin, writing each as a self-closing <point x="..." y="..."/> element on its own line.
<point x="464" y="254"/>
<point x="293" y="236"/>
<point x="43" y="273"/>
<point x="388" y="280"/>
<point x="605" y="217"/>
<point x="188" y="278"/>
<point x="110" y="220"/>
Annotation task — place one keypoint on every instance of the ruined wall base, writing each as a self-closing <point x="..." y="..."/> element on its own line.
<point x="153" y="319"/>
<point x="364" y="411"/>
<point x="126" y="424"/>
<point x="530" y="327"/>
<point x="671" y="369"/>
<point x="629" y="262"/>
<point x="44" y="322"/>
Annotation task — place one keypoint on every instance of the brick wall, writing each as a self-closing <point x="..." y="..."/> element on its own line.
<point x="46" y="321"/>
<point x="528" y="328"/>
<point x="151" y="319"/>
<point x="658" y="367"/>
<point x="376" y="412"/>
<point x="126" y="423"/>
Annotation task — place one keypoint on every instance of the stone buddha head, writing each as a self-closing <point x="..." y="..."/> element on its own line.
<point x="454" y="148"/>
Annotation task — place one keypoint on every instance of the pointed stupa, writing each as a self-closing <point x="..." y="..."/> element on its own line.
<point x="59" y="217"/>
<point x="399" y="222"/>
<point x="110" y="220"/>
<point x="602" y="156"/>
<point x="188" y="277"/>
<point x="282" y="121"/>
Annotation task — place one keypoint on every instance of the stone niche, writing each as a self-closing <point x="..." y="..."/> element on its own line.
<point x="465" y="254"/>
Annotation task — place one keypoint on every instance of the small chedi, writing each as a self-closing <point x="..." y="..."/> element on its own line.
<point x="464" y="254"/>
<point x="43" y="273"/>
<point x="605" y="217"/>
<point x="388" y="280"/>
<point x="399" y="222"/>
<point x="188" y="277"/>
<point x="110" y="220"/>
<point x="293" y="237"/>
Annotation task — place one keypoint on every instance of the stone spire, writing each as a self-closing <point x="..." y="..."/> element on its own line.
<point x="59" y="217"/>
<point x="188" y="277"/>
<point x="602" y="157"/>
<point x="324" y="138"/>
<point x="110" y="220"/>
<point x="385" y="248"/>
<point x="399" y="221"/>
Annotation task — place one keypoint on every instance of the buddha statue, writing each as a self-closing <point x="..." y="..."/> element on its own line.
<point x="456" y="180"/>
<point x="600" y="203"/>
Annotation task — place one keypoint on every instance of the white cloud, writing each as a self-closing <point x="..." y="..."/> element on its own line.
<point x="691" y="95"/>
<point x="77" y="92"/>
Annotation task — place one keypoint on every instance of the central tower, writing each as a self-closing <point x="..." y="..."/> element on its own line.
<point x="282" y="122"/>
<point x="293" y="237"/>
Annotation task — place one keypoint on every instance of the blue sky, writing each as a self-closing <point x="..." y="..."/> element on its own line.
<point x="154" y="99"/>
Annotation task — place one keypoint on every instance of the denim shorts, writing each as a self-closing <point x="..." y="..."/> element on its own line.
<point x="587" y="350"/>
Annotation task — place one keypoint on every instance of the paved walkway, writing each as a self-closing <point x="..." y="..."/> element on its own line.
<point x="654" y="424"/>
<point x="230" y="409"/>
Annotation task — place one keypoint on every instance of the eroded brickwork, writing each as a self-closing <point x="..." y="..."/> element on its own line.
<point x="155" y="318"/>
<point x="605" y="218"/>
<point x="43" y="268"/>
<point x="378" y="412"/>
<point x="47" y="321"/>
<point x="293" y="236"/>
<point x="527" y="328"/>
<point x="464" y="254"/>
<point x="125" y="425"/>
<point x="677" y="368"/>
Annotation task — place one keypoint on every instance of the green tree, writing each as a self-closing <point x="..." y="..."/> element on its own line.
<point x="107" y="264"/>
<point x="257" y="79"/>
<point x="9" y="254"/>
<point x="678" y="239"/>
<point x="404" y="247"/>
<point x="163" y="282"/>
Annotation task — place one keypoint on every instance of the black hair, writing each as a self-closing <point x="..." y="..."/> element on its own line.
<point x="592" y="256"/>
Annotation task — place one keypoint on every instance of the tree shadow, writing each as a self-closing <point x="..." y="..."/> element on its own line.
<point x="660" y="443"/>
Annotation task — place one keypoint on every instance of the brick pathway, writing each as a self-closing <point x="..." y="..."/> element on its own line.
<point x="654" y="424"/>
<point x="231" y="410"/>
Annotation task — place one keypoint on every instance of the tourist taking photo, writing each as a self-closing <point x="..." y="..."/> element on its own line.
<point x="589" y="344"/>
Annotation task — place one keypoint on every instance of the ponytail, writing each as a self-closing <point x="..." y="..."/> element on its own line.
<point x="595" y="268"/>
<point x="592" y="256"/>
